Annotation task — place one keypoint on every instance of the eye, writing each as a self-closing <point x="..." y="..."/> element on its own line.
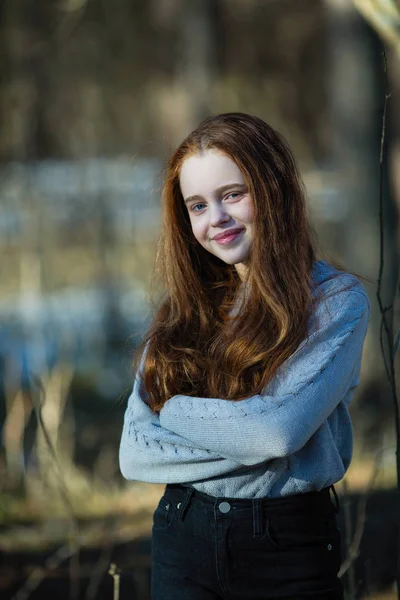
<point x="194" y="206"/>
<point x="233" y="195"/>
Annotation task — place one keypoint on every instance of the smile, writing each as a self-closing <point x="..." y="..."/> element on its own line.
<point x="227" y="239"/>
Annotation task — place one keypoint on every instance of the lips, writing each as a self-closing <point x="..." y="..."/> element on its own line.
<point x="228" y="233"/>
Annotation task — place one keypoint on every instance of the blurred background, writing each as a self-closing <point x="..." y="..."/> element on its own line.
<point x="94" y="96"/>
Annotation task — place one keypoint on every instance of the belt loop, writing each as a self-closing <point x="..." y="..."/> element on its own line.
<point x="258" y="522"/>
<point x="337" y="507"/>
<point x="184" y="504"/>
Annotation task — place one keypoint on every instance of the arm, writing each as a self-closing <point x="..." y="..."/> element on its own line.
<point x="148" y="452"/>
<point x="309" y="387"/>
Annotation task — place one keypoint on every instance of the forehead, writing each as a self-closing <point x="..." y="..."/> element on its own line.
<point x="203" y="173"/>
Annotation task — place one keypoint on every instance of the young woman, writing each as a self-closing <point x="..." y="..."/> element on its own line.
<point x="241" y="396"/>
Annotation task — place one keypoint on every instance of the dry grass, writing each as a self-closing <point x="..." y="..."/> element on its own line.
<point x="386" y="596"/>
<point x="41" y="518"/>
<point x="360" y="471"/>
<point x="109" y="515"/>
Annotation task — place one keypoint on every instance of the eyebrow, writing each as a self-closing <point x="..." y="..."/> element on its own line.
<point x="219" y="191"/>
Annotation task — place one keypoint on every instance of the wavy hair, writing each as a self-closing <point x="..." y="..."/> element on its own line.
<point x="194" y="344"/>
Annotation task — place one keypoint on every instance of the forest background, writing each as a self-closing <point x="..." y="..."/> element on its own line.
<point x="94" y="96"/>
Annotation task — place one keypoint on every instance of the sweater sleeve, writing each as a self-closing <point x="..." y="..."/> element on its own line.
<point x="150" y="453"/>
<point x="308" y="387"/>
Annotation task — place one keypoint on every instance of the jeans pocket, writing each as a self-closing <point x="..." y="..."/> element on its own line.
<point x="163" y="515"/>
<point x="302" y="532"/>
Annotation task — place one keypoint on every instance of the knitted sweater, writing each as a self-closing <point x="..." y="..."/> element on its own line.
<point x="294" y="437"/>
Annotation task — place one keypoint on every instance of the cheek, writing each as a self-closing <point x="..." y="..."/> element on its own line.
<point x="249" y="212"/>
<point x="244" y="211"/>
<point x="199" y="230"/>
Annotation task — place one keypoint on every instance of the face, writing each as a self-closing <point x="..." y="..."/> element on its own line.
<point x="218" y="204"/>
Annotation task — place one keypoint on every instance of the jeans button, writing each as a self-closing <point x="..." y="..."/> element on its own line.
<point x="224" y="507"/>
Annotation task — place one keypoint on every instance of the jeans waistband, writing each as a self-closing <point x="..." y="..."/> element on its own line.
<point x="319" y="502"/>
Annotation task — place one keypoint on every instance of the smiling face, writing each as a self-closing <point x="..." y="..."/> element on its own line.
<point x="218" y="202"/>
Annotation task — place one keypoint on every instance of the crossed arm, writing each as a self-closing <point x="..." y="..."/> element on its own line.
<point x="152" y="453"/>
<point x="311" y="383"/>
<point x="200" y="438"/>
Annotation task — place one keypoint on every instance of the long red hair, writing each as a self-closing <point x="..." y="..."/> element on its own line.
<point x="193" y="345"/>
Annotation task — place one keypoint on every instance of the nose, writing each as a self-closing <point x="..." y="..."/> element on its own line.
<point x="218" y="215"/>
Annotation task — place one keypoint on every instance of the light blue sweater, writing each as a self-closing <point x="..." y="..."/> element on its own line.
<point x="295" y="437"/>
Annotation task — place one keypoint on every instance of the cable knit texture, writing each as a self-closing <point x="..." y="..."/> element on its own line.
<point x="295" y="437"/>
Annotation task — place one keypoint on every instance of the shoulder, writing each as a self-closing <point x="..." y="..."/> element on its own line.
<point x="338" y="294"/>
<point x="330" y="282"/>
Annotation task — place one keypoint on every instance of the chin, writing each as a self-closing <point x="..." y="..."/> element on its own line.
<point x="235" y="260"/>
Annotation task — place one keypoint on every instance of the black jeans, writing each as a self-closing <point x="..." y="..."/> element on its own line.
<point x="207" y="548"/>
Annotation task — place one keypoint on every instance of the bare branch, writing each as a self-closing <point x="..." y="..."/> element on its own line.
<point x="384" y="17"/>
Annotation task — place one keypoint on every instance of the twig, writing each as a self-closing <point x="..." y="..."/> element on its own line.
<point x="348" y="534"/>
<point x="40" y="573"/>
<point x="353" y="548"/>
<point x="386" y="326"/>
<point x="101" y="566"/>
<point x="116" y="575"/>
<point x="99" y="569"/>
<point x="74" y="530"/>
<point x="384" y="17"/>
